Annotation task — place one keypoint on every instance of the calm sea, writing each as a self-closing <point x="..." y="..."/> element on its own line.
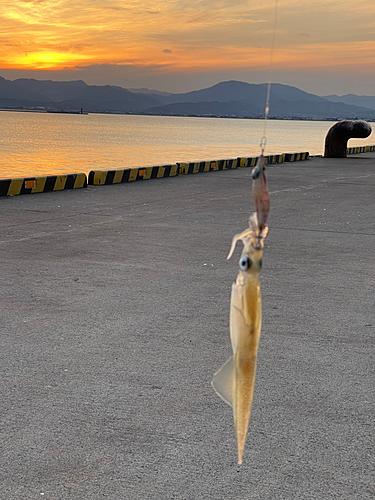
<point x="44" y="143"/>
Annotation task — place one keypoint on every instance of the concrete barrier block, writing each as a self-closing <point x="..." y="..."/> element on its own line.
<point x="226" y="164"/>
<point x="231" y="164"/>
<point x="274" y="159"/>
<point x="185" y="168"/>
<point x="106" y="177"/>
<point x="42" y="184"/>
<point x="216" y="165"/>
<point x="296" y="156"/>
<point x="15" y="186"/>
<point x="288" y="157"/>
<point x="247" y="161"/>
<point x="360" y="149"/>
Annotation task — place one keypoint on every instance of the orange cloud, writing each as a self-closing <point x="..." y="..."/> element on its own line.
<point x="181" y="35"/>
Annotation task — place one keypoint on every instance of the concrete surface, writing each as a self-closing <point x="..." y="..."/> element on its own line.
<point x="114" y="316"/>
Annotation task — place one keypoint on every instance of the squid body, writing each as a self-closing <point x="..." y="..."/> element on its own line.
<point x="234" y="381"/>
<point x="260" y="192"/>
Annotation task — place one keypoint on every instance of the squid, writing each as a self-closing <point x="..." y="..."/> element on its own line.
<point x="234" y="381"/>
<point x="260" y="192"/>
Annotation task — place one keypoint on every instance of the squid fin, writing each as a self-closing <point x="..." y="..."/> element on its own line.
<point x="223" y="381"/>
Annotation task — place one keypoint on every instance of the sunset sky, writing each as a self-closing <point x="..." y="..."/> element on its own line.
<point x="322" y="46"/>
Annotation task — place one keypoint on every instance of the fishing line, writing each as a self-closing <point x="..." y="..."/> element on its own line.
<point x="263" y="140"/>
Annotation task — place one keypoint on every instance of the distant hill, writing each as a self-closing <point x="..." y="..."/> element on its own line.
<point x="242" y="99"/>
<point x="230" y="98"/>
<point x="148" y="91"/>
<point x="241" y="91"/>
<point x="27" y="93"/>
<point x="254" y="108"/>
<point x="352" y="99"/>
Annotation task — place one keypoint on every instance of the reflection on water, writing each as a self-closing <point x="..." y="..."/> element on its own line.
<point x="43" y="143"/>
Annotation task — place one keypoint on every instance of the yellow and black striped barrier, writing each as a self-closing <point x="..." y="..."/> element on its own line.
<point x="105" y="177"/>
<point x="273" y="159"/>
<point x="295" y="156"/>
<point x="360" y="149"/>
<point x="244" y="162"/>
<point x="185" y="168"/>
<point x="31" y="185"/>
<point x="269" y="159"/>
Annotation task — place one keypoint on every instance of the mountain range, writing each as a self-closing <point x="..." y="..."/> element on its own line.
<point x="355" y="100"/>
<point x="225" y="99"/>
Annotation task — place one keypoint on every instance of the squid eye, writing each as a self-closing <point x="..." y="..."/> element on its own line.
<point x="245" y="263"/>
<point x="256" y="173"/>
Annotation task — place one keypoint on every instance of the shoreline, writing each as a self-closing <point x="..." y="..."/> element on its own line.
<point x="48" y="183"/>
<point x="233" y="117"/>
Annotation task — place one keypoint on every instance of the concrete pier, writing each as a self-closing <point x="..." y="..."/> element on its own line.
<point x="114" y="316"/>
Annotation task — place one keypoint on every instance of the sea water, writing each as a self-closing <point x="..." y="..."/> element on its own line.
<point x="33" y="144"/>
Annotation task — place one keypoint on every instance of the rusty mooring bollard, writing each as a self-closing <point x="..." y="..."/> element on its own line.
<point x="339" y="134"/>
